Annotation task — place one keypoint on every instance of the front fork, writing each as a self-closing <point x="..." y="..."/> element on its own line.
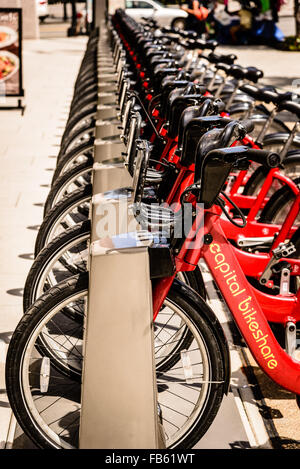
<point x="187" y="252"/>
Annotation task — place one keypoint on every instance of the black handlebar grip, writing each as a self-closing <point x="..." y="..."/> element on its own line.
<point x="214" y="58"/>
<point x="231" y="155"/>
<point x="248" y="125"/>
<point x="210" y="45"/>
<point x="219" y="105"/>
<point x="201" y="43"/>
<point x="269" y="159"/>
<point x="251" y="90"/>
<point x="228" y="58"/>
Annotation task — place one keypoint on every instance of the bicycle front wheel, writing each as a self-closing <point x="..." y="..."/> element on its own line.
<point x="46" y="402"/>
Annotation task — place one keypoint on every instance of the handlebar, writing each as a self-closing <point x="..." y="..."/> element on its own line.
<point x="232" y="155"/>
<point x="268" y="159"/>
<point x="235" y="130"/>
<point x="212" y="173"/>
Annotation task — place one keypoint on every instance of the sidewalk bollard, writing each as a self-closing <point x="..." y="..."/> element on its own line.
<point x="108" y="129"/>
<point x="107" y="87"/>
<point x="110" y="176"/>
<point x="108" y="149"/>
<point x="119" y="404"/>
<point x="107" y="98"/>
<point x="105" y="111"/>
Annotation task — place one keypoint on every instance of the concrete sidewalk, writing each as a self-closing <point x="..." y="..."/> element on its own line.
<point x="29" y="145"/>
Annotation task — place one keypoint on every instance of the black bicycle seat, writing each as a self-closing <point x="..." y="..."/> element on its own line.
<point x="238" y="72"/>
<point x="254" y="74"/>
<point x="154" y="50"/>
<point x="253" y="91"/>
<point x="225" y="67"/>
<point x="189" y="34"/>
<point x="214" y="58"/>
<point x="275" y="97"/>
<point x="265" y="94"/>
<point x="211" y="44"/>
<point x="225" y="59"/>
<point x="191" y="44"/>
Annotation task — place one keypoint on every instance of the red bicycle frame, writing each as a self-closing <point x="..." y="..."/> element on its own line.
<point x="249" y="307"/>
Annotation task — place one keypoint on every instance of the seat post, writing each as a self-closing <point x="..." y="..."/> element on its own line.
<point x="233" y="94"/>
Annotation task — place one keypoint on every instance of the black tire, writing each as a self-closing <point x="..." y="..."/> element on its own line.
<point x="276" y="141"/>
<point x="26" y="400"/>
<point x="259" y="120"/>
<point x="86" y="95"/>
<point x="77" y="138"/>
<point x="70" y="202"/>
<point x="81" y="153"/>
<point x="194" y="280"/>
<point x="92" y="82"/>
<point x="87" y="102"/>
<point x="76" y="121"/>
<point x="60" y="186"/>
<point x="72" y="237"/>
<point x="255" y="181"/>
<point x="178" y="23"/>
<point x="291" y="169"/>
<point x="277" y="207"/>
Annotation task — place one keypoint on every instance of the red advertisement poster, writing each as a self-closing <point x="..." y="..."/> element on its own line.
<point x="11" y="52"/>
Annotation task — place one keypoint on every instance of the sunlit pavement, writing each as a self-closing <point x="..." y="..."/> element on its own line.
<point x="29" y="146"/>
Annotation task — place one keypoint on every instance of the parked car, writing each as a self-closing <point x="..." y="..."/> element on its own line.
<point x="42" y="9"/>
<point x="164" y="16"/>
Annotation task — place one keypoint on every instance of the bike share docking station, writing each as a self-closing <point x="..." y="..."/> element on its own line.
<point x="119" y="403"/>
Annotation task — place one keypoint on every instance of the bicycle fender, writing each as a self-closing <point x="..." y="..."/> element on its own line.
<point x="280" y="137"/>
<point x="200" y="305"/>
<point x="239" y="107"/>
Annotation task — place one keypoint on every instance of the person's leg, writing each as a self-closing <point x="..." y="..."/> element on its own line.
<point x="233" y="33"/>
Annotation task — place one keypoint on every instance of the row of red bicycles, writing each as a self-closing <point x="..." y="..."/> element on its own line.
<point x="215" y="180"/>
